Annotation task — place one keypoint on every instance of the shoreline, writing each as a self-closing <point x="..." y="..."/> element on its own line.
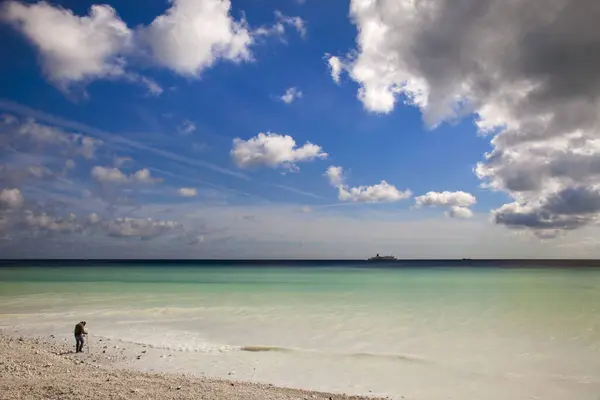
<point x="42" y="368"/>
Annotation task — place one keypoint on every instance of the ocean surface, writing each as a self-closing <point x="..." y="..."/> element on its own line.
<point x="423" y="333"/>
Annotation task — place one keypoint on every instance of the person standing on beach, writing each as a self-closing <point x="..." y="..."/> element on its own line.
<point x="79" y="332"/>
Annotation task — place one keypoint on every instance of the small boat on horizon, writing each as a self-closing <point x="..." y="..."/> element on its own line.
<point x="382" y="258"/>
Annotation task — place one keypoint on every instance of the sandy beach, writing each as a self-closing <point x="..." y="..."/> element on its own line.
<point x="44" y="368"/>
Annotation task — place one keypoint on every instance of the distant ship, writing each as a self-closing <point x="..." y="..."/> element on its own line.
<point x="383" y="258"/>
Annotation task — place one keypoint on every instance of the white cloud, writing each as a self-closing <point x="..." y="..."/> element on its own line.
<point x="187" y="127"/>
<point x="143" y="176"/>
<point x="105" y="174"/>
<point x="187" y="192"/>
<point x="458" y="203"/>
<point x="526" y="69"/>
<point x="459" y="212"/>
<point x="70" y="164"/>
<point x="154" y="89"/>
<point x="335" y="175"/>
<point x="335" y="68"/>
<point x="273" y="150"/>
<point x="11" y="199"/>
<point x="290" y="95"/>
<point x="446" y="199"/>
<point x="188" y="38"/>
<point x="381" y="192"/>
<point x="72" y="48"/>
<point x="192" y="35"/>
<point x="298" y="23"/>
<point x="278" y="28"/>
<point x="87" y="145"/>
<point x="115" y="175"/>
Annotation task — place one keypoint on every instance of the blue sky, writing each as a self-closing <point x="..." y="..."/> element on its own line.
<point x="184" y="124"/>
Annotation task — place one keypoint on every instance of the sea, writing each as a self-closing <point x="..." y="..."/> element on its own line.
<point x="434" y="330"/>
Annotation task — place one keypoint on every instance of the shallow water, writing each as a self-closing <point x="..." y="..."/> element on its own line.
<point x="419" y="333"/>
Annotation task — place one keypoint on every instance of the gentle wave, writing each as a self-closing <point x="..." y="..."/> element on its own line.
<point x="204" y="347"/>
<point x="389" y="356"/>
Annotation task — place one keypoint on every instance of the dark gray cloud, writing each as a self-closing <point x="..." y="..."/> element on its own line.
<point x="568" y="209"/>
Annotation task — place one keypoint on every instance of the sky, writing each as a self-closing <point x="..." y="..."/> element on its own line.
<point x="299" y="129"/>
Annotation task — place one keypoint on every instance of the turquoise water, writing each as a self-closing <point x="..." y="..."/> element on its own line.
<point x="478" y="332"/>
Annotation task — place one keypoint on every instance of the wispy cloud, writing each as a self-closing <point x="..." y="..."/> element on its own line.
<point x="8" y="105"/>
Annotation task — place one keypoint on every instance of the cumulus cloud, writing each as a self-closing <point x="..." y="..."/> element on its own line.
<point x="187" y="38"/>
<point x="335" y="68"/>
<point x="273" y="150"/>
<point x="115" y="175"/>
<point x="527" y="69"/>
<point x="335" y="175"/>
<point x="458" y="203"/>
<point x="192" y="35"/>
<point x="72" y="48"/>
<point x="187" y="127"/>
<point x="11" y="199"/>
<point x="187" y="192"/>
<point x="290" y="95"/>
<point x="447" y="199"/>
<point x="381" y="192"/>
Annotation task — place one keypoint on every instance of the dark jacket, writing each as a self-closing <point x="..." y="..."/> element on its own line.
<point x="80" y="329"/>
